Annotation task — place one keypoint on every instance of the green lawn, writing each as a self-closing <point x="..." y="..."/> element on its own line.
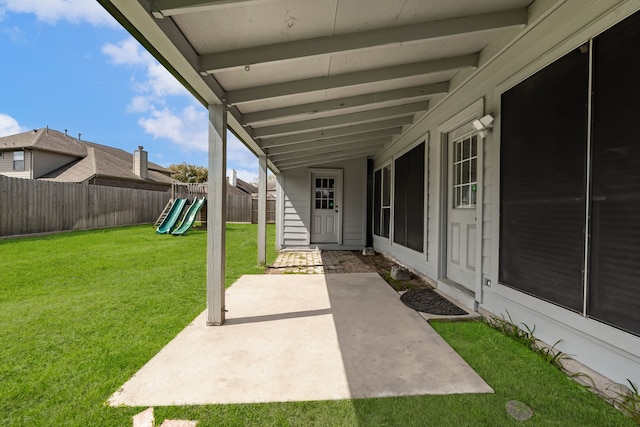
<point x="81" y="312"/>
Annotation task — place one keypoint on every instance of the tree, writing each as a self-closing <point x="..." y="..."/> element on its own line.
<point x="189" y="173"/>
<point x="256" y="179"/>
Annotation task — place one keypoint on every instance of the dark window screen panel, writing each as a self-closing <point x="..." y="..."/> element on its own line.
<point x="614" y="290"/>
<point x="400" y="190"/>
<point x="542" y="182"/>
<point x="408" y="229"/>
<point x="415" y="199"/>
<point x="377" y="188"/>
<point x="386" y="219"/>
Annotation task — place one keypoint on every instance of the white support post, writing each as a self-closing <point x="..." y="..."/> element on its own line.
<point x="216" y="214"/>
<point x="262" y="211"/>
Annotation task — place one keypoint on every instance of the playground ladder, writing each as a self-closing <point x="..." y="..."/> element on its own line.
<point x="164" y="213"/>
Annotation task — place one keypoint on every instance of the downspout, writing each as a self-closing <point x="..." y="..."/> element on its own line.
<point x="31" y="175"/>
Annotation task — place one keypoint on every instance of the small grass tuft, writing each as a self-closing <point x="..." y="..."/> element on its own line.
<point x="627" y="400"/>
<point x="526" y="337"/>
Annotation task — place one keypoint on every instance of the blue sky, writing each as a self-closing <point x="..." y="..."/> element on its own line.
<point x="68" y="64"/>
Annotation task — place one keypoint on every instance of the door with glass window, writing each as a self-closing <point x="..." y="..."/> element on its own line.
<point x="461" y="211"/>
<point x="326" y="207"/>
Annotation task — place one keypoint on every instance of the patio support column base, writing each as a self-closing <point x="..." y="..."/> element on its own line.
<point x="262" y="211"/>
<point x="216" y="214"/>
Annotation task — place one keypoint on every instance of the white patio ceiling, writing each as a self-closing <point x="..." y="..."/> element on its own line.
<point x="312" y="81"/>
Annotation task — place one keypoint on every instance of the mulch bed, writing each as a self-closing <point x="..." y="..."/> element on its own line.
<point x="429" y="301"/>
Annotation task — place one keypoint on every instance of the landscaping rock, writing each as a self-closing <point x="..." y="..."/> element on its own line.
<point x="368" y="251"/>
<point x="400" y="273"/>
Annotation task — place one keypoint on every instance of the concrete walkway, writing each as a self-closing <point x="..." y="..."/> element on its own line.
<point x="303" y="337"/>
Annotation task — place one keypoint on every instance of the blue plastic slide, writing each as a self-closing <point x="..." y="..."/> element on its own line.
<point x="171" y="219"/>
<point x="189" y="217"/>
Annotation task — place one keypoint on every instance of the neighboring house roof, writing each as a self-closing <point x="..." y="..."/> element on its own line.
<point x="246" y="187"/>
<point x="235" y="191"/>
<point x="46" y="140"/>
<point x="93" y="160"/>
<point x="105" y="162"/>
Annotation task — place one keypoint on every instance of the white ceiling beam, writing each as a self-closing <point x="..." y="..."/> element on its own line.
<point x="165" y="8"/>
<point x="170" y="29"/>
<point x="350" y="79"/>
<point x="318" y="160"/>
<point x="330" y="142"/>
<point x="308" y="110"/>
<point x="343" y="120"/>
<point x="362" y="40"/>
<point x="322" y="151"/>
<point x="378" y="125"/>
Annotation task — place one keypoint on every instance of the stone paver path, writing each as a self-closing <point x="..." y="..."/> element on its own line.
<point x="318" y="262"/>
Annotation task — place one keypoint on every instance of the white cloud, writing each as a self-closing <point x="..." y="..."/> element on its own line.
<point x="52" y="11"/>
<point x="9" y="125"/>
<point x="156" y="86"/>
<point x="16" y="34"/>
<point x="245" y="175"/>
<point x="127" y="52"/>
<point x="238" y="154"/>
<point x="140" y="104"/>
<point x="162" y="82"/>
<point x="187" y="128"/>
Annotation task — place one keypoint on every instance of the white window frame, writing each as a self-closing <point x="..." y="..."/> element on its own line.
<point x="457" y="165"/>
<point x="386" y="206"/>
<point x="19" y="154"/>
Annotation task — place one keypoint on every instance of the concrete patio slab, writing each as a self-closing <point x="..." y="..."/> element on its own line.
<point x="303" y="337"/>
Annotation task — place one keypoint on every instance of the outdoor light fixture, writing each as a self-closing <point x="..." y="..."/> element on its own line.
<point x="483" y="124"/>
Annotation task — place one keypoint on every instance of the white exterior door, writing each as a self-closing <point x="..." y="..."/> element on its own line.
<point x="326" y="202"/>
<point x="462" y="229"/>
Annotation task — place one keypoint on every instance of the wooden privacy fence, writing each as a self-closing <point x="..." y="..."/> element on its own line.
<point x="271" y="211"/>
<point x="238" y="208"/>
<point x="28" y="206"/>
<point x="244" y="209"/>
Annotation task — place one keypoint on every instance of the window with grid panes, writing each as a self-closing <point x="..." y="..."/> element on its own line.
<point x="325" y="193"/>
<point x="382" y="201"/>
<point x="465" y="172"/>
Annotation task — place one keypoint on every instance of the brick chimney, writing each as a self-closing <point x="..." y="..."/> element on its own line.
<point x="140" y="164"/>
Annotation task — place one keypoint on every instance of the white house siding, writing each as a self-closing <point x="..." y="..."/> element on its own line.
<point x="354" y="203"/>
<point x="556" y="28"/>
<point x="6" y="165"/>
<point x="45" y="162"/>
<point x="296" y="206"/>
<point x="6" y="162"/>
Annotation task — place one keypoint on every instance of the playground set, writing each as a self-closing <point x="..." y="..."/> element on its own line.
<point x="180" y="213"/>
